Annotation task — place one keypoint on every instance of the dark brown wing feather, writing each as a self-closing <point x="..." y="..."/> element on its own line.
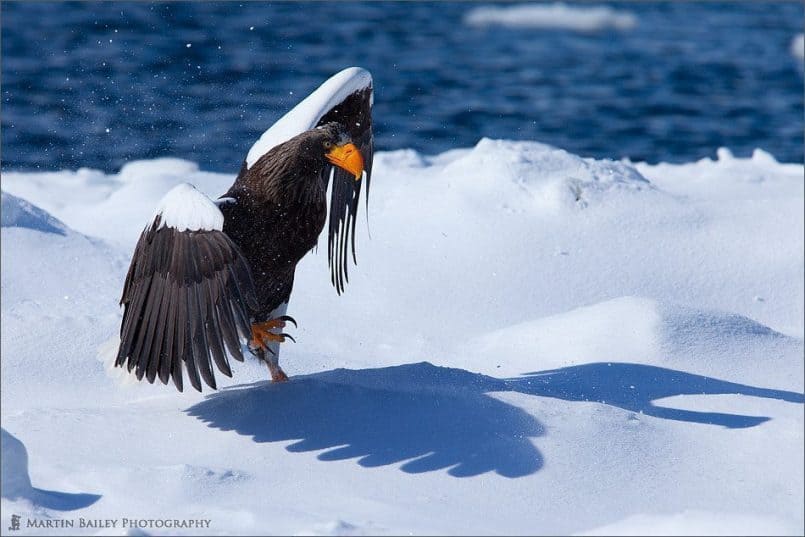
<point x="355" y="114"/>
<point x="188" y="297"/>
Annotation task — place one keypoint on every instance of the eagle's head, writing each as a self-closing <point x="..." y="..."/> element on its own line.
<point x="303" y="164"/>
<point x="333" y="143"/>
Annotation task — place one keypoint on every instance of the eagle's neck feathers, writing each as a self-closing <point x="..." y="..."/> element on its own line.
<point x="286" y="174"/>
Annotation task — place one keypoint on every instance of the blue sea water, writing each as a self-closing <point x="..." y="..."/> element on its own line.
<point x="99" y="84"/>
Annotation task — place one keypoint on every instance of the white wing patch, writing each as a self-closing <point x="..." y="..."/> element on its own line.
<point x="185" y="208"/>
<point x="307" y="113"/>
<point x="223" y="201"/>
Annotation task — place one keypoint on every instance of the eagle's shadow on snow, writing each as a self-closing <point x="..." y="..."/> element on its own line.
<point x="431" y="418"/>
<point x="635" y="387"/>
<point x="427" y="417"/>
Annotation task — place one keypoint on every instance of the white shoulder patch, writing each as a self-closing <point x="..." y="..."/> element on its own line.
<point x="224" y="201"/>
<point x="307" y="113"/>
<point x="185" y="208"/>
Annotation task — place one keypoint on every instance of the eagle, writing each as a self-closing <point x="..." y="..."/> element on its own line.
<point x="206" y="276"/>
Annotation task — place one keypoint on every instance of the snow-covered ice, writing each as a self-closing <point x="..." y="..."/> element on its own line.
<point x="580" y="18"/>
<point x="532" y="342"/>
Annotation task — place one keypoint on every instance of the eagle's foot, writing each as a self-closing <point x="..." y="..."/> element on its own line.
<point x="262" y="335"/>
<point x="277" y="374"/>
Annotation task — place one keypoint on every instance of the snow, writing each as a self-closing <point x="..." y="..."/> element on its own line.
<point x="692" y="522"/>
<point x="307" y="113"/>
<point x="16" y="482"/>
<point x="17" y="212"/>
<point x="531" y="342"/>
<point x="579" y="18"/>
<point x="185" y="208"/>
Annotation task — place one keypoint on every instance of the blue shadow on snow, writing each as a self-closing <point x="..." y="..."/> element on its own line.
<point x="16" y="482"/>
<point x="634" y="387"/>
<point x="431" y="418"/>
<point x="62" y="501"/>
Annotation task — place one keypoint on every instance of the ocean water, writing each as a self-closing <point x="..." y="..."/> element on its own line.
<point x="99" y="84"/>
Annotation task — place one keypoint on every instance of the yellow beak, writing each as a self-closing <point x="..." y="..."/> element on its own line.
<point x="347" y="157"/>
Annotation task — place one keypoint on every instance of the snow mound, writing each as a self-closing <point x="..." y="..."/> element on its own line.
<point x="580" y="18"/>
<point x="64" y="189"/>
<point x="16" y="483"/>
<point x="56" y="283"/>
<point x="728" y="177"/>
<point x="650" y="332"/>
<point x="798" y="47"/>
<point x="161" y="167"/>
<point x="16" y="212"/>
<point x="582" y="334"/>
<point x="114" y="206"/>
<point x="516" y="171"/>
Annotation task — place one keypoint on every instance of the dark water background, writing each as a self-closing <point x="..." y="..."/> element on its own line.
<point x="98" y="84"/>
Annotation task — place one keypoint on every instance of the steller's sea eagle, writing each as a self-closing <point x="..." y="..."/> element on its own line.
<point x="206" y="275"/>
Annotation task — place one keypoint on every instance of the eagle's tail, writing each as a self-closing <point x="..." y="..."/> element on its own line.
<point x="106" y="353"/>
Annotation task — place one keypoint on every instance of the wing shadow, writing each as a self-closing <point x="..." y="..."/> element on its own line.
<point x="431" y="418"/>
<point x="426" y="417"/>
<point x="634" y="387"/>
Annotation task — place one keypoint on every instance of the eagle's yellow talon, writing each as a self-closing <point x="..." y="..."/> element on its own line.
<point x="262" y="336"/>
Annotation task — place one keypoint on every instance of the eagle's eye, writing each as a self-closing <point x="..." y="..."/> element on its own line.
<point x="327" y="144"/>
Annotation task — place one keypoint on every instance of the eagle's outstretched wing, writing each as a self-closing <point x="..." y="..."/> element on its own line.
<point x="345" y="98"/>
<point x="355" y="113"/>
<point x="188" y="295"/>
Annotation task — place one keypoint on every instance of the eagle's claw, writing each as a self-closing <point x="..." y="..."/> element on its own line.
<point x="289" y="319"/>
<point x="262" y="335"/>
<point x="288" y="336"/>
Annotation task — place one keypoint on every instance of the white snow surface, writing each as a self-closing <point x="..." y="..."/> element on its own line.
<point x="310" y="110"/>
<point x="532" y="343"/>
<point x="579" y="18"/>
<point x="185" y="208"/>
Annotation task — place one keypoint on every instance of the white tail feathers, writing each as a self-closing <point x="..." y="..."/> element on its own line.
<point x="107" y="354"/>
